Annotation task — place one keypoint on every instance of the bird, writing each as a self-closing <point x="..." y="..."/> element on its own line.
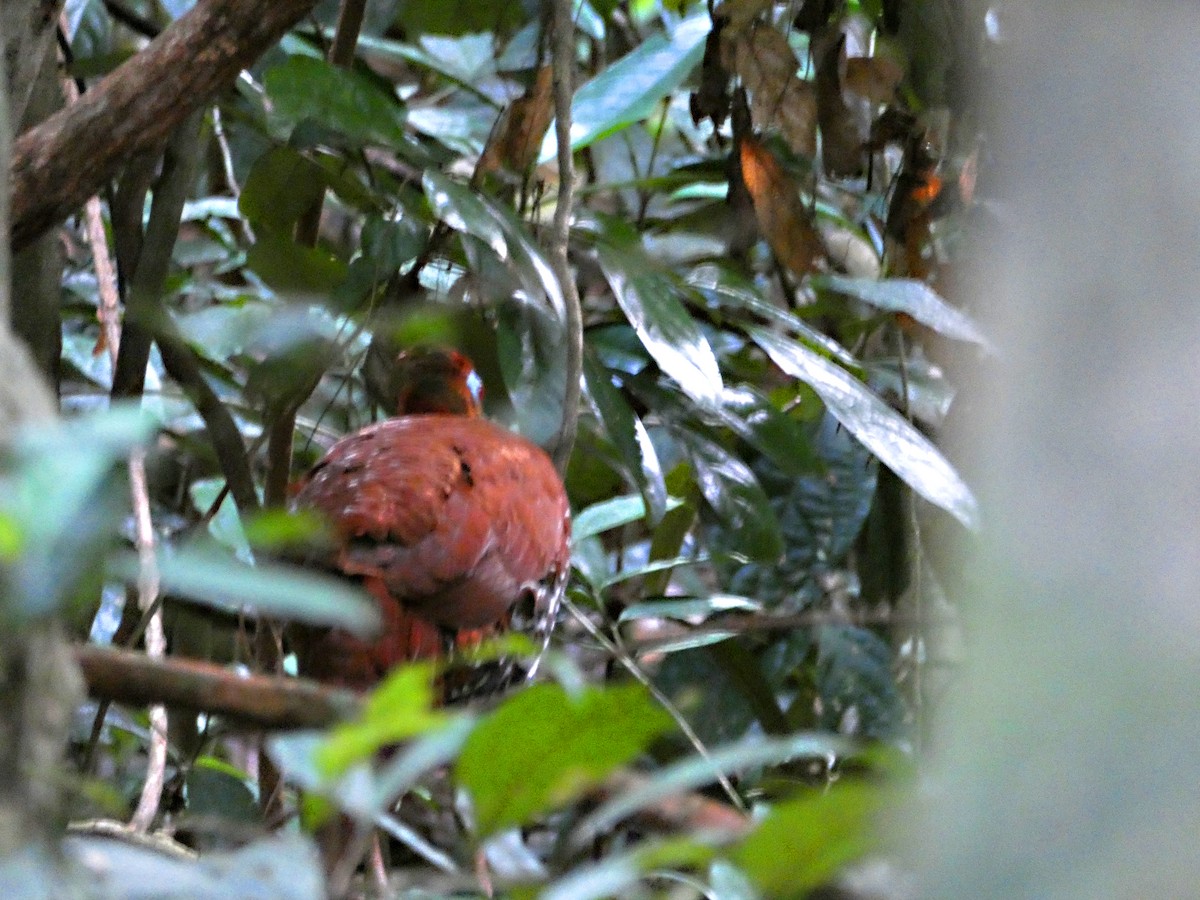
<point x="457" y="528"/>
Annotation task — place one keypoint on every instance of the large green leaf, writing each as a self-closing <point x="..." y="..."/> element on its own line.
<point x="629" y="89"/>
<point x="628" y="434"/>
<point x="662" y="323"/>
<point x="61" y="505"/>
<point x="291" y="268"/>
<point x="281" y="187"/>
<point x="543" y="747"/>
<point x="881" y="429"/>
<point x="463" y="210"/>
<point x="694" y="772"/>
<point x="748" y="524"/>
<point x="307" y="88"/>
<point x="218" y="580"/>
<point x="910" y="296"/>
<point x="803" y="842"/>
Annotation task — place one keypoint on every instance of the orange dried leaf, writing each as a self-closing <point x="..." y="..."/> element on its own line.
<point x="517" y="139"/>
<point x="781" y="215"/>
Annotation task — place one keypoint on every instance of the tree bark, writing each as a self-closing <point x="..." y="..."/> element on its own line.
<point x="64" y="160"/>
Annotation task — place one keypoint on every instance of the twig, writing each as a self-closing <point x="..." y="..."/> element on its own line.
<point x="156" y="641"/>
<point x="251" y="701"/>
<point x="562" y="56"/>
<point x="109" y="309"/>
<point x="230" y="176"/>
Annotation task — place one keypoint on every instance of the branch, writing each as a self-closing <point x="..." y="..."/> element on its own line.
<point x="58" y="164"/>
<point x="257" y="701"/>
<point x="562" y="56"/>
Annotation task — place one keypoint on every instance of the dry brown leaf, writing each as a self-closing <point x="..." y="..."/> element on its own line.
<point x="782" y="217"/>
<point x="841" y="144"/>
<point x="517" y="138"/>
<point x="740" y="13"/>
<point x="873" y="77"/>
<point x="779" y="99"/>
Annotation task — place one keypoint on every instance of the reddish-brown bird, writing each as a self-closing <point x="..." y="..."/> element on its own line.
<point x="457" y="527"/>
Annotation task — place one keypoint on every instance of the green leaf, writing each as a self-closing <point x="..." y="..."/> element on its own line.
<point x="350" y="104"/>
<point x="289" y="267"/>
<point x="226" y="525"/>
<point x="630" y="89"/>
<point x="695" y="772"/>
<point x="607" y="515"/>
<point x="400" y="707"/>
<point x="217" y="580"/>
<point x="804" y="842"/>
<point x="61" y="503"/>
<point x="628" y="434"/>
<point x="462" y="209"/>
<point x="722" y="288"/>
<point x="881" y="429"/>
<point x="684" y="608"/>
<point x="907" y="295"/>
<point x="748" y="523"/>
<point x="281" y="187"/>
<point x="543" y="747"/>
<point x="663" y="324"/>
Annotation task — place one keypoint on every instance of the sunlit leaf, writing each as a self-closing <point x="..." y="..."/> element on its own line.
<point x="662" y="324"/>
<point x="915" y="298"/>
<point x="403" y="705"/>
<point x="881" y="429"/>
<point x="542" y="747"/>
<point x="630" y="89"/>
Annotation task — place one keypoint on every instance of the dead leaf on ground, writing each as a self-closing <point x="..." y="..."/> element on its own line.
<point x="517" y="138"/>
<point x="779" y="99"/>
<point x="782" y="217"/>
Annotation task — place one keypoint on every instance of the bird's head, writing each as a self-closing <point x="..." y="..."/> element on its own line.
<point x="432" y="380"/>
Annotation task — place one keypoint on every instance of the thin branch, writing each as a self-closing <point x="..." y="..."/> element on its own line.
<point x="64" y="160"/>
<point x="663" y="700"/>
<point x="252" y="701"/>
<point x="562" y="56"/>
<point x="181" y="365"/>
<point x="282" y="429"/>
<point x="143" y="302"/>
<point x="156" y="641"/>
